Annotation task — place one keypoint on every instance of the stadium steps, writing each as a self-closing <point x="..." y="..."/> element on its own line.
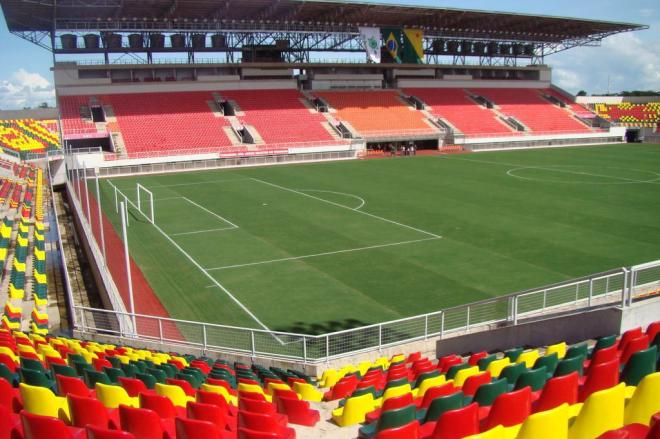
<point x="231" y="134"/>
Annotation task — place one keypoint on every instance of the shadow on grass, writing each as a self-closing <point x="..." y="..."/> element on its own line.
<point x="318" y="328"/>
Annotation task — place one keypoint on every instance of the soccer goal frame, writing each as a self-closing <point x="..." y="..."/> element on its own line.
<point x="149" y="200"/>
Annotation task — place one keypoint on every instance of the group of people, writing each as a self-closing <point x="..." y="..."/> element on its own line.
<point x="394" y="148"/>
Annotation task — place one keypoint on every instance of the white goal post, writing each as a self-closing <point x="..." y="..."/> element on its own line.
<point x="146" y="197"/>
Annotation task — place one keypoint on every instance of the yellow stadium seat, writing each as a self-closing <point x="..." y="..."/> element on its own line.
<point x="40" y="302"/>
<point x="271" y="387"/>
<point x="34" y="328"/>
<point x="364" y="366"/>
<point x="9" y="324"/>
<point x="427" y="384"/>
<point x="307" y="392"/>
<point x="464" y="374"/>
<point x="242" y="387"/>
<point x="329" y="378"/>
<point x="558" y="348"/>
<point x="354" y="411"/>
<point x="42" y="401"/>
<point x="113" y="396"/>
<point x="398" y="358"/>
<point x="382" y="361"/>
<point x="601" y="412"/>
<point x="529" y="358"/>
<point x="16" y="293"/>
<point x="550" y="424"/>
<point x="174" y="393"/>
<point x="495" y="367"/>
<point x="393" y="392"/>
<point x="220" y="391"/>
<point x="645" y="402"/>
<point x="5" y="350"/>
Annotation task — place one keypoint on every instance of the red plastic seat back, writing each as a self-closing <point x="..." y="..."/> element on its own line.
<point x="254" y="396"/>
<point x="7" y="361"/>
<point x="604" y="355"/>
<point x="652" y="330"/>
<point x="437" y="392"/>
<point x="474" y="358"/>
<point x="456" y="424"/>
<point x="133" y="386"/>
<point x="397" y="402"/>
<point x="633" y="346"/>
<point x="102" y="433"/>
<point x="161" y="405"/>
<point x="629" y="335"/>
<point x="258" y="421"/>
<point x="194" y="429"/>
<point x="343" y="389"/>
<point x="207" y="412"/>
<point x="408" y="431"/>
<point x="213" y="398"/>
<point x="254" y="406"/>
<point x="473" y="382"/>
<point x="87" y="411"/>
<point x="143" y="423"/>
<point x="72" y="386"/>
<point x="601" y="376"/>
<point x="413" y="357"/>
<point x="445" y="363"/>
<point x="6" y="394"/>
<point x="40" y="427"/>
<point x="557" y="391"/>
<point x="510" y="408"/>
<point x="247" y="433"/>
<point x="284" y="393"/>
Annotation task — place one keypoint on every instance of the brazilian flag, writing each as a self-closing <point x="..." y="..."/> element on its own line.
<point x="393" y="43"/>
<point x="413" y="50"/>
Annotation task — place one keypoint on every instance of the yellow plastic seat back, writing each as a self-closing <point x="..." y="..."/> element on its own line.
<point x="495" y="367"/>
<point x="464" y="374"/>
<point x="645" y="402"/>
<point x="270" y="389"/>
<point x="42" y="401"/>
<point x="601" y="412"/>
<point x="529" y="358"/>
<point x="307" y="392"/>
<point x="429" y="383"/>
<point x="550" y="424"/>
<point x="354" y="411"/>
<point x="174" y="393"/>
<point x="253" y="388"/>
<point x="329" y="378"/>
<point x="113" y="396"/>
<point x="557" y="348"/>
<point x="494" y="433"/>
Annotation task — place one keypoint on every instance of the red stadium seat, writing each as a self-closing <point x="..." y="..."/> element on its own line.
<point x="142" y="423"/>
<point x="73" y="386"/>
<point x="194" y="429"/>
<point x="408" y="431"/>
<point x="601" y="376"/>
<point x="509" y="409"/>
<point x="40" y="427"/>
<point x="102" y="433"/>
<point x="298" y="411"/>
<point x="557" y="391"/>
<point x="454" y="424"/>
<point x="90" y="411"/>
<point x="134" y="386"/>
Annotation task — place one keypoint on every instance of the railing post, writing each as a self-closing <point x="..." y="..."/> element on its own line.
<point x="160" y="330"/>
<point x="426" y="327"/>
<point x="624" y="287"/>
<point x="380" y="338"/>
<point x="515" y="310"/>
<point x="467" y="320"/>
<point x="327" y="348"/>
<point x="442" y="324"/>
<point x="591" y="291"/>
<point x="304" y="340"/>
<point x="205" y="344"/>
<point x="252" y="344"/>
<point x="545" y="299"/>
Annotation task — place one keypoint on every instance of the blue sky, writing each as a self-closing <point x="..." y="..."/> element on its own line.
<point x="623" y="62"/>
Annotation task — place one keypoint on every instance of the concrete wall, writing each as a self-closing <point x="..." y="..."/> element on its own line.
<point x="640" y="314"/>
<point x="481" y="83"/>
<point x="34" y="113"/>
<point x="570" y="328"/>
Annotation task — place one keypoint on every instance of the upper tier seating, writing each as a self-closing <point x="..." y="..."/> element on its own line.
<point x="576" y="108"/>
<point x="631" y="114"/>
<point x="28" y="135"/>
<point x="374" y="113"/>
<point x="279" y="116"/>
<point x="454" y="105"/>
<point x="529" y="107"/>
<point x="167" y="121"/>
<point x="70" y="114"/>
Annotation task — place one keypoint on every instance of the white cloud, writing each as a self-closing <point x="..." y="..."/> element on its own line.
<point x="25" y="89"/>
<point x="623" y="62"/>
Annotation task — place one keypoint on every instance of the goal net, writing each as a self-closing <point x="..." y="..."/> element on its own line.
<point x="145" y="202"/>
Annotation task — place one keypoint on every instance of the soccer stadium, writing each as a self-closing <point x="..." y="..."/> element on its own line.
<point x="325" y="218"/>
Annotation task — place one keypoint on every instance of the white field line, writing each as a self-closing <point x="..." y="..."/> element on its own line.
<point x="212" y="213"/>
<point x="195" y="232"/>
<point x="206" y="273"/>
<point x="167" y="198"/>
<point x="295" y="258"/>
<point x="565" y="171"/>
<point x="360" y="199"/>
<point x="348" y="208"/>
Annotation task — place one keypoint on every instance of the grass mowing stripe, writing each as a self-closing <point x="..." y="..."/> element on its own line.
<point x="349" y="250"/>
<point x="349" y="208"/>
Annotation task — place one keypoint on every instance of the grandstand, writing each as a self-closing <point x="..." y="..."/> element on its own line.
<point x="162" y="278"/>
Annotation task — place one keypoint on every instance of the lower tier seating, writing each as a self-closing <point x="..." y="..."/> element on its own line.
<point x="639" y="115"/>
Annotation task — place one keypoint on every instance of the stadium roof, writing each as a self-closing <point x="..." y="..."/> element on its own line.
<point x="308" y="15"/>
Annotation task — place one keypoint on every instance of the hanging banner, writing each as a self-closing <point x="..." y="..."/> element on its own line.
<point x="392" y="39"/>
<point x="372" y="42"/>
<point x="413" y="49"/>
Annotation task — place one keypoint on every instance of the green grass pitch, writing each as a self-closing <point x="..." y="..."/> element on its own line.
<point x="322" y="247"/>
